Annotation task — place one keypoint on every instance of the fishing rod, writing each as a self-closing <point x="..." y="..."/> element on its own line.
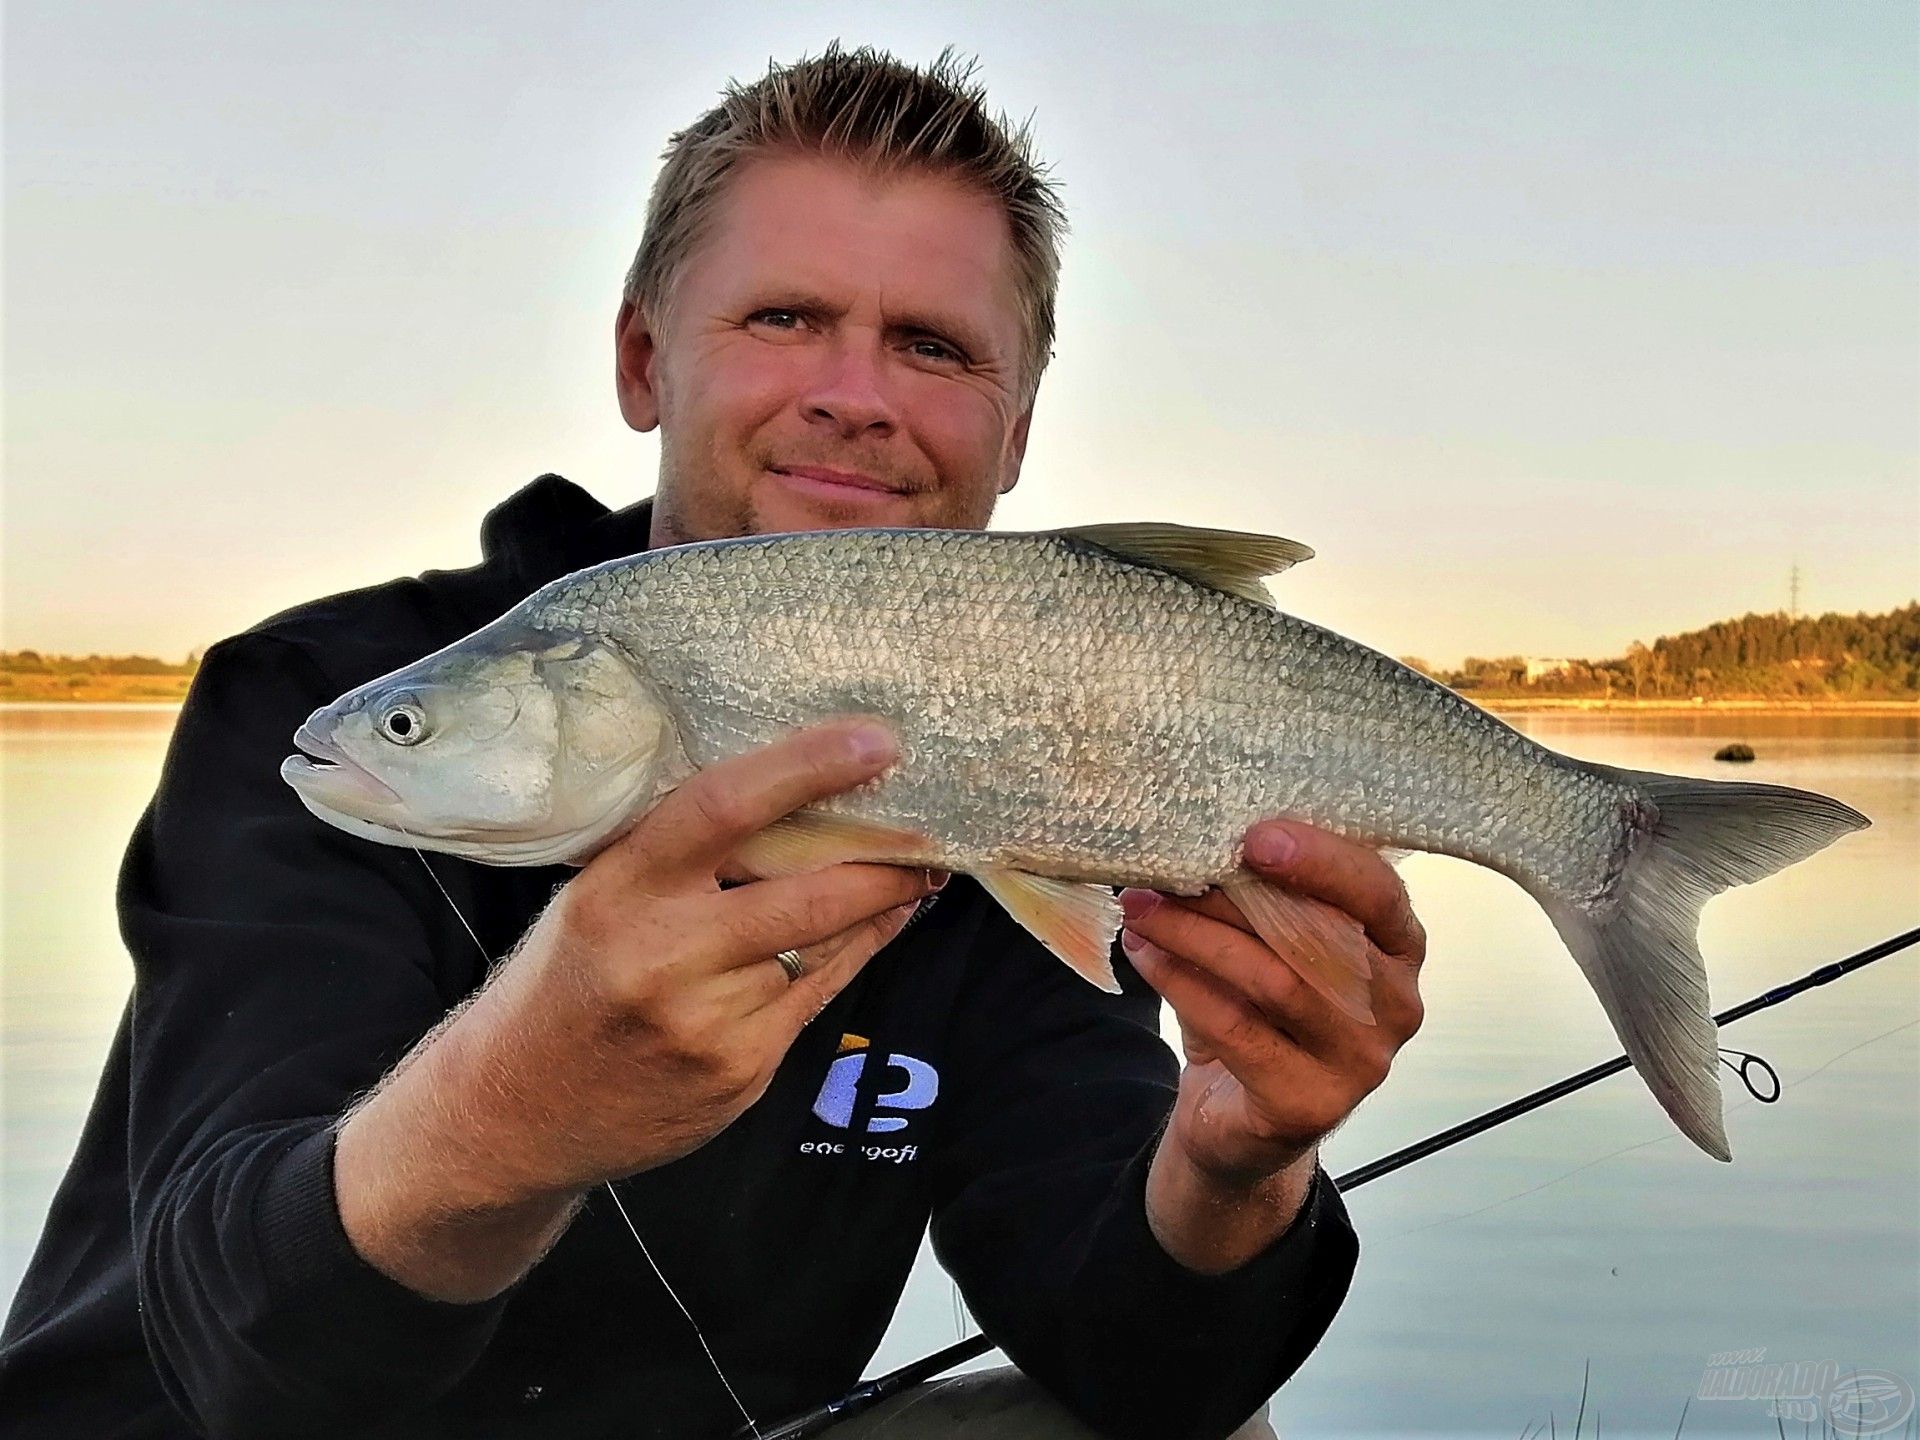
<point x="869" y="1393"/>
<point x="1466" y="1129"/>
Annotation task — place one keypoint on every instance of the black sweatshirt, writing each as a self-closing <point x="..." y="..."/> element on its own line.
<point x="194" y="1278"/>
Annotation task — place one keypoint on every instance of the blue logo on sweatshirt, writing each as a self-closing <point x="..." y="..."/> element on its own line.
<point x="918" y="1086"/>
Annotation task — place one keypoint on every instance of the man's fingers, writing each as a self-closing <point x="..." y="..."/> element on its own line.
<point x="1240" y="963"/>
<point x="769" y="916"/>
<point x="1208" y="1010"/>
<point x="1215" y="905"/>
<point x="830" y="969"/>
<point x="1345" y="874"/>
<point x="691" y="833"/>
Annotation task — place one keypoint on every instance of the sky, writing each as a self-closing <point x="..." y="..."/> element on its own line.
<point x="1550" y="327"/>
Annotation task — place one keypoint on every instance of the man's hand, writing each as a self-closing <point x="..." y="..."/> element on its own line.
<point x="641" y="1014"/>
<point x="1272" y="1067"/>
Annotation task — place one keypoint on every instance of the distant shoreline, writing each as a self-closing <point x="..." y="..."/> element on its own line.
<point x="143" y="697"/>
<point x="19" y="689"/>
<point x="1524" y="704"/>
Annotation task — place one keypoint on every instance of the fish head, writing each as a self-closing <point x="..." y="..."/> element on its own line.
<point x="515" y="746"/>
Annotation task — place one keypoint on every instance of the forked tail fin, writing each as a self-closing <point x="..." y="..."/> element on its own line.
<point x="1639" y="946"/>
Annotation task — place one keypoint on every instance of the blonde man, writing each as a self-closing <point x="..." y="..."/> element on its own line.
<point x="345" y="1175"/>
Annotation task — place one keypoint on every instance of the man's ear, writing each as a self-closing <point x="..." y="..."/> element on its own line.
<point x="1016" y="451"/>
<point x="634" y="353"/>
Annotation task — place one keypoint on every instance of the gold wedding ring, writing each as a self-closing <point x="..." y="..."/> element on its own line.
<point x="790" y="962"/>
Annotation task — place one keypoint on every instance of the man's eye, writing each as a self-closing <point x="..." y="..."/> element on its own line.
<point x="930" y="349"/>
<point x="778" y="319"/>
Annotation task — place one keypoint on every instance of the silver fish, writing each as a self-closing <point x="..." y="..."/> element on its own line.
<point x="1108" y="705"/>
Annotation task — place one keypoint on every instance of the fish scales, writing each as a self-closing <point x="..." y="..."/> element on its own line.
<point x="1162" y="701"/>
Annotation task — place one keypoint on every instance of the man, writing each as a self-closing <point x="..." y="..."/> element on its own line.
<point x="839" y="315"/>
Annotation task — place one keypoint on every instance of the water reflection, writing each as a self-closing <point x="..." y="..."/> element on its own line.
<point x="1490" y="1274"/>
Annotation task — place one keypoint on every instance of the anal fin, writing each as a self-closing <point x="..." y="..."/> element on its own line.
<point x="1326" y="948"/>
<point x="1076" y="921"/>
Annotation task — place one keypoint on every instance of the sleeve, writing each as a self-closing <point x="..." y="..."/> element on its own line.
<point x="280" y="967"/>
<point x="1040" y="1215"/>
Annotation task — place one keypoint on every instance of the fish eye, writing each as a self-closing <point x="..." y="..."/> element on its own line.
<point x="403" y="722"/>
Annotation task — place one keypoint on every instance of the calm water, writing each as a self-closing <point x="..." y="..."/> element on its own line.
<point x="1490" y="1275"/>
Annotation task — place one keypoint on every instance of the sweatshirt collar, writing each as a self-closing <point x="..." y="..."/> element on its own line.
<point x="551" y="527"/>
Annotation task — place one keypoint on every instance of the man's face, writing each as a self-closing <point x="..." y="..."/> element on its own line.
<point x="838" y="351"/>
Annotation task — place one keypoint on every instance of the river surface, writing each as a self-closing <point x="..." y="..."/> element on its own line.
<point x="1586" y="1239"/>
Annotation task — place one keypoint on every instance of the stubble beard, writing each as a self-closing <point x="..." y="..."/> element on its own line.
<point x="691" y="503"/>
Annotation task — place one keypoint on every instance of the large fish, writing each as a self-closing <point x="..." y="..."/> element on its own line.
<point x="1109" y="705"/>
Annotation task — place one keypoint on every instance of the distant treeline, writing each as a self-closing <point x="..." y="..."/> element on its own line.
<point x="1757" y="656"/>
<point x="32" y="662"/>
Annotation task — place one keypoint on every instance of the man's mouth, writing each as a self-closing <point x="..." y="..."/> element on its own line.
<point x="845" y="480"/>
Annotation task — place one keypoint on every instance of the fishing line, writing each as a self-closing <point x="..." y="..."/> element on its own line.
<point x="1499" y="1115"/>
<point x="632" y="1229"/>
<point x="443" y="890"/>
<point x="1874" y="1040"/>
<point x="711" y="1358"/>
<point x="1582" y="1167"/>
<point x="1660" y="1139"/>
<point x="960" y="1314"/>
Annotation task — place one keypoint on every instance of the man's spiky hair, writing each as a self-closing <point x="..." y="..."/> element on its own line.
<point x="869" y="108"/>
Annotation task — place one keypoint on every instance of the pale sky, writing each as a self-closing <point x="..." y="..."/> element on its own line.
<point x="1549" y="326"/>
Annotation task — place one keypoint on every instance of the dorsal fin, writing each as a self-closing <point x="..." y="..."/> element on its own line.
<point x="1229" y="560"/>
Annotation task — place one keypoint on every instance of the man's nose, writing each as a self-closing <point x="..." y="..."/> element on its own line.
<point x="848" y="390"/>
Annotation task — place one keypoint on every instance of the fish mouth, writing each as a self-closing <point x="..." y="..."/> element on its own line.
<point x="329" y="772"/>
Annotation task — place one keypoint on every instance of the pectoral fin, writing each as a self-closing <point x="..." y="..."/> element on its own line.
<point x="810" y="840"/>
<point x="1075" y="921"/>
<point x="1326" y="948"/>
<point x="1229" y="560"/>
